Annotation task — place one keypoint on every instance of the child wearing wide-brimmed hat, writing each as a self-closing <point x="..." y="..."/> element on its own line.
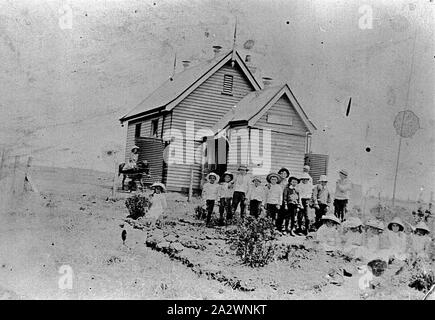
<point x="420" y="244"/>
<point x="241" y="188"/>
<point x="328" y="235"/>
<point x="374" y="244"/>
<point x="225" y="194"/>
<point x="305" y="189"/>
<point x="273" y="195"/>
<point x="256" y="197"/>
<point x="132" y="159"/>
<point x="322" y="199"/>
<point x="210" y="194"/>
<point x="292" y="202"/>
<point x="284" y="173"/>
<point x="342" y="193"/>
<point x="352" y="237"/>
<point x="397" y="239"/>
<point x="158" y="202"/>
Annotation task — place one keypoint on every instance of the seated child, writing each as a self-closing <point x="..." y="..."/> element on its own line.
<point x="158" y="203"/>
<point x="352" y="237"/>
<point x="420" y="244"/>
<point x="273" y="195"/>
<point x="397" y="239"/>
<point x="292" y="202"/>
<point x="210" y="194"/>
<point x="225" y="194"/>
<point x="374" y="247"/>
<point x="328" y="235"/>
<point x="256" y="197"/>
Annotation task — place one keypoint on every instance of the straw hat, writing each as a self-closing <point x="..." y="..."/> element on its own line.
<point x="284" y="170"/>
<point x="343" y="172"/>
<point x="352" y="222"/>
<point x="227" y="173"/>
<point x="304" y="176"/>
<point x="374" y="224"/>
<point x="422" y="226"/>
<point x="134" y="147"/>
<point x="273" y="174"/>
<point x="323" y="178"/>
<point x="397" y="221"/>
<point x="159" y="184"/>
<point x="256" y="178"/>
<point x="331" y="217"/>
<point x="306" y="167"/>
<point x="212" y="174"/>
<point x="243" y="167"/>
<point x="293" y="178"/>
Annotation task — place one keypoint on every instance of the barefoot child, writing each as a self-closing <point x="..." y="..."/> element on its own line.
<point x="225" y="194"/>
<point x="292" y="202"/>
<point x="210" y="194"/>
<point x="256" y="197"/>
<point x="158" y="203"/>
<point x="273" y="195"/>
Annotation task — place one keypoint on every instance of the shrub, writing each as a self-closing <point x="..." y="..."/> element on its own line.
<point x="137" y="206"/>
<point x="254" y="241"/>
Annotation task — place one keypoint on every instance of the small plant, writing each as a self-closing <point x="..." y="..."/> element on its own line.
<point x="137" y="206"/>
<point x="422" y="278"/>
<point x="200" y="212"/>
<point x="254" y="240"/>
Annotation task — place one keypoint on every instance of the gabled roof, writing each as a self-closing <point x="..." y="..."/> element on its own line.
<point x="171" y="92"/>
<point x="253" y="106"/>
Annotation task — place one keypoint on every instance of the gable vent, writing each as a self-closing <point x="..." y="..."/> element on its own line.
<point x="228" y="84"/>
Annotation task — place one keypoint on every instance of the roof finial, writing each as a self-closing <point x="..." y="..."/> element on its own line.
<point x="233" y="54"/>
<point x="175" y="65"/>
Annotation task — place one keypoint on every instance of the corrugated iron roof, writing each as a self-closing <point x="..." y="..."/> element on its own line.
<point x="181" y="82"/>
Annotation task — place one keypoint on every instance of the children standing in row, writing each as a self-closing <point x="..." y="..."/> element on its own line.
<point x="241" y="188"/>
<point x="321" y="199"/>
<point x="210" y="194"/>
<point x="273" y="196"/>
<point x="292" y="202"/>
<point x="305" y="189"/>
<point x="256" y="197"/>
<point x="225" y="195"/>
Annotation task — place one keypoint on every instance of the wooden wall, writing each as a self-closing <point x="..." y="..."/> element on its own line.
<point x="205" y="106"/>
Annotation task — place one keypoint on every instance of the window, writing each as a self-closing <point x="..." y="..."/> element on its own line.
<point x="137" y="130"/>
<point x="228" y="84"/>
<point x="154" y="127"/>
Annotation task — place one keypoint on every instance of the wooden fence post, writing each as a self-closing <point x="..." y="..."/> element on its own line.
<point x="190" y="185"/>
<point x="115" y="177"/>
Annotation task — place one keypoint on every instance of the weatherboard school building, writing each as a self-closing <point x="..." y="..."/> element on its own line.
<point x="218" y="115"/>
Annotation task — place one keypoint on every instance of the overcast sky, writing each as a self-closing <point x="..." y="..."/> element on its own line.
<point x="63" y="90"/>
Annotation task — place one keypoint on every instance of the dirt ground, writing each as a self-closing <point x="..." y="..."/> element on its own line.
<point x="71" y="222"/>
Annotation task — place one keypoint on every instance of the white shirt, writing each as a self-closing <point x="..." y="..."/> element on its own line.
<point x="210" y="191"/>
<point x="342" y="189"/>
<point x="241" y="183"/>
<point x="274" y="194"/>
<point x="305" y="190"/>
<point x="257" y="193"/>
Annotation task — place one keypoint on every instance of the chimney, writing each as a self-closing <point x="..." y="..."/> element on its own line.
<point x="186" y="64"/>
<point x="249" y="64"/>
<point x="267" y="82"/>
<point x="216" y="50"/>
